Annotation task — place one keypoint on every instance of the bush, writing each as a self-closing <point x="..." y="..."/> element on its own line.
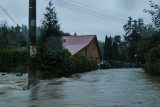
<point x="82" y="64"/>
<point x="50" y="64"/>
<point x="62" y="64"/>
<point x="13" y="60"/>
<point x="152" y="65"/>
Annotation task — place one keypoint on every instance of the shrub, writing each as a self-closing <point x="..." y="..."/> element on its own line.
<point x="62" y="64"/>
<point x="13" y="60"/>
<point x="82" y="64"/>
<point x="152" y="65"/>
<point x="50" y="64"/>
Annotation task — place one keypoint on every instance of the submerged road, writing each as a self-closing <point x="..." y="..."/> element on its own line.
<point x="101" y="88"/>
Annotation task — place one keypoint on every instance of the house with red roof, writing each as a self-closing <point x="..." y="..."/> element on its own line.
<point x="86" y="45"/>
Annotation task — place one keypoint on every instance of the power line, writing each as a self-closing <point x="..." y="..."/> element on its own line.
<point x="105" y="11"/>
<point x="91" y="11"/>
<point x="88" y="11"/>
<point x="82" y="11"/>
<point x="109" y="13"/>
<point x="94" y="9"/>
<point x="8" y="14"/>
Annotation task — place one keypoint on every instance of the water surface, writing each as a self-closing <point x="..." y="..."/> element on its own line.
<point x="101" y="88"/>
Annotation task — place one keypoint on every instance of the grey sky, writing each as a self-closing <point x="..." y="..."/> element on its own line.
<point x="73" y="21"/>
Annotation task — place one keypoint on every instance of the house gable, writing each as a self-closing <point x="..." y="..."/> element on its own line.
<point x="86" y="45"/>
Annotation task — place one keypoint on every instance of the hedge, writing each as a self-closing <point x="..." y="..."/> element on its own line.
<point x="49" y="65"/>
<point x="62" y="64"/>
<point x="152" y="65"/>
<point x="13" y="60"/>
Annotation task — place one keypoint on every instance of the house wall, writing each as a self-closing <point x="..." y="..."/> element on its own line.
<point x="91" y="51"/>
<point x="82" y="52"/>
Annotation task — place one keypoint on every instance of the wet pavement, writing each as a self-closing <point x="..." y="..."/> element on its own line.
<point x="101" y="88"/>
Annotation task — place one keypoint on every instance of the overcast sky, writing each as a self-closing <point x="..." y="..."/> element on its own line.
<point x="104" y="17"/>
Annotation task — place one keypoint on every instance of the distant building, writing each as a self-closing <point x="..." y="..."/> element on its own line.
<point x="86" y="45"/>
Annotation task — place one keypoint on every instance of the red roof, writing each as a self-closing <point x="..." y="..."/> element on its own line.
<point x="76" y="43"/>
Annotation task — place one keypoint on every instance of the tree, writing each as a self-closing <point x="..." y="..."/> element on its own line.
<point x="153" y="61"/>
<point x="50" y="26"/>
<point x="117" y="39"/>
<point x="153" y="42"/>
<point x="148" y="30"/>
<point x="101" y="45"/>
<point x="50" y="49"/>
<point x="115" y="53"/>
<point x="50" y="30"/>
<point x="116" y="47"/>
<point x="3" y="36"/>
<point x="133" y="34"/>
<point x="106" y="55"/>
<point x="108" y="48"/>
<point x="155" y="13"/>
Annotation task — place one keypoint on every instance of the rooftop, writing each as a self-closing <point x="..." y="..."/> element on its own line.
<point x="76" y="43"/>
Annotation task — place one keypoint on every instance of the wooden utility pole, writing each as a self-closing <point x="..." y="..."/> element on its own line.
<point x="32" y="74"/>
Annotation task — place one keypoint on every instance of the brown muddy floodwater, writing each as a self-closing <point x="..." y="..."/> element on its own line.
<point x="101" y="88"/>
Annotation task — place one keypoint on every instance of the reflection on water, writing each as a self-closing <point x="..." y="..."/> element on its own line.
<point x="101" y="88"/>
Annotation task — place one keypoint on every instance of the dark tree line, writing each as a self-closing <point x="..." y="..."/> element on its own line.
<point x="139" y="40"/>
<point x="111" y="50"/>
<point x="153" y="53"/>
<point x="11" y="35"/>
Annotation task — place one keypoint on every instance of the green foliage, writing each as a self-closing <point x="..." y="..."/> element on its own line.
<point x="101" y="45"/>
<point x="117" y="39"/>
<point x="62" y="64"/>
<point x="10" y="36"/>
<point x="147" y="31"/>
<point x="133" y="30"/>
<point x="111" y="48"/>
<point x="153" y="62"/>
<point x="50" y="26"/>
<point x="155" y="13"/>
<point x="108" y="49"/>
<point x="146" y="44"/>
<point x="154" y="40"/>
<point x="3" y="36"/>
<point x="50" y="50"/>
<point x="13" y="60"/>
<point x="82" y="64"/>
<point x="115" y="52"/>
<point x="54" y="61"/>
<point x="51" y="64"/>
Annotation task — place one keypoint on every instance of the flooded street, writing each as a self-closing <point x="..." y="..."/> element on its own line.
<point x="101" y="88"/>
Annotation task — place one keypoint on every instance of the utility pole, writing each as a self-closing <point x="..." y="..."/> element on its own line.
<point x="32" y="74"/>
